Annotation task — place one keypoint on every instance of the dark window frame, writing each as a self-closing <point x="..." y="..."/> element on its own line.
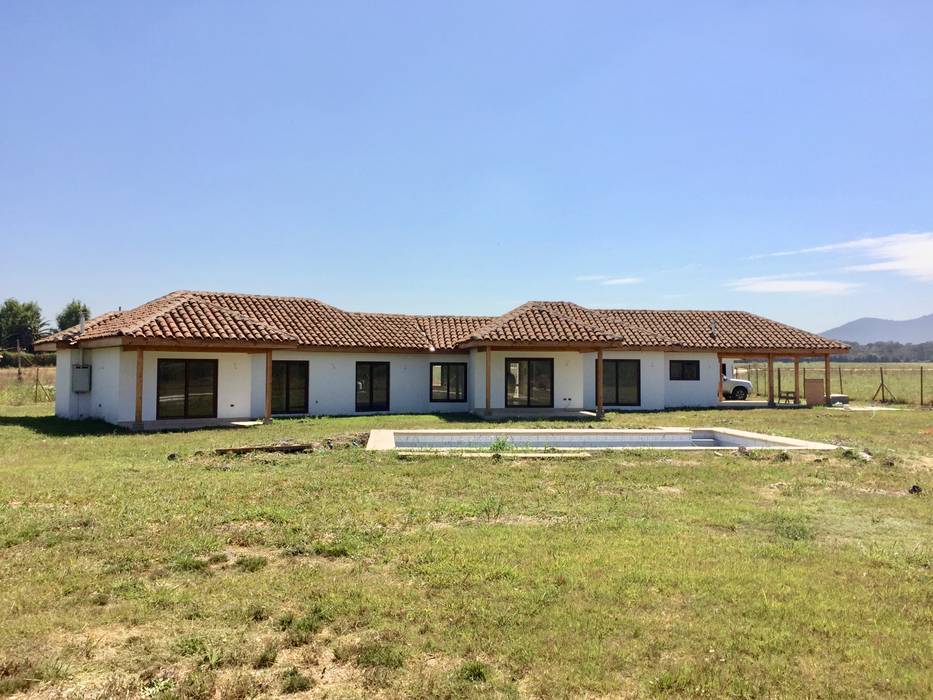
<point x="637" y="381"/>
<point x="288" y="365"/>
<point x="186" y="412"/>
<point x="505" y="389"/>
<point x="444" y="371"/>
<point x="360" y="408"/>
<point x="682" y="364"/>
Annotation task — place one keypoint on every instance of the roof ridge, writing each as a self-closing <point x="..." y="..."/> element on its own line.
<point x="642" y="329"/>
<point x="178" y="298"/>
<point x="498" y="321"/>
<point x="578" y="322"/>
<point x="259" y="296"/>
<point x="243" y="317"/>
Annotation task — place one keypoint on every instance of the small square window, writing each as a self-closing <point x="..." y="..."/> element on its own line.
<point x="685" y="370"/>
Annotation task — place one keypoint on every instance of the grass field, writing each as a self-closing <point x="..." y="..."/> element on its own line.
<point x="346" y="573"/>
<point x="860" y="380"/>
<point x="17" y="392"/>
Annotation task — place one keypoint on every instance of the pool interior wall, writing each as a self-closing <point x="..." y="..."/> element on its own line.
<point x="588" y="439"/>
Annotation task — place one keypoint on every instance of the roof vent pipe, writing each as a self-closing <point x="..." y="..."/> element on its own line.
<point x="81" y="323"/>
<point x="712" y="328"/>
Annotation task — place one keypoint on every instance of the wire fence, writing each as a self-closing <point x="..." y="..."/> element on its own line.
<point x="901" y="383"/>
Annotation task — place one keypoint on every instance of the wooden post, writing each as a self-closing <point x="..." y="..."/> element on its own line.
<point x="35" y="398"/>
<point x="719" y="390"/>
<point x="139" y="389"/>
<point x="779" y="385"/>
<point x="599" y="383"/>
<point x="770" y="380"/>
<point x="839" y="369"/>
<point x="921" y="386"/>
<point x="881" y="369"/>
<point x="828" y="375"/>
<point x="488" y="379"/>
<point x="19" y="362"/>
<point x="268" y="412"/>
<point x="796" y="380"/>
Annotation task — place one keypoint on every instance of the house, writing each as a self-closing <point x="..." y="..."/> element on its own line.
<point x="197" y="356"/>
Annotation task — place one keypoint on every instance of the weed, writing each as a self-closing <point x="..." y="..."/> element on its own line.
<point x="792" y="527"/>
<point x="198" y="684"/>
<point x="294" y="682"/>
<point x="266" y="657"/>
<point x="250" y="563"/>
<point x="473" y="671"/>
<point x="189" y="564"/>
<point x="256" y="612"/>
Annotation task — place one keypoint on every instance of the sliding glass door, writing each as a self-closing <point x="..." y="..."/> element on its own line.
<point x="186" y="389"/>
<point x="529" y="382"/>
<point x="289" y="386"/>
<point x="372" y="386"/>
<point x="621" y="382"/>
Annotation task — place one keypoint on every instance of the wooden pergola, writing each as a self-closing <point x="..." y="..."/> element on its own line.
<point x="770" y="357"/>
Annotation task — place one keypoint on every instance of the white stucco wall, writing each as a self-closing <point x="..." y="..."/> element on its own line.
<point x="63" y="384"/>
<point x="692" y="393"/>
<point x="233" y="382"/>
<point x="653" y="374"/>
<point x="102" y="401"/>
<point x="332" y="381"/>
<point x="568" y="376"/>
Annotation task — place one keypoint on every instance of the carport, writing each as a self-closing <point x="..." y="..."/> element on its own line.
<point x="770" y="357"/>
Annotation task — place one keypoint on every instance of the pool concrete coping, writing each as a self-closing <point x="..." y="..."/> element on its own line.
<point x="381" y="440"/>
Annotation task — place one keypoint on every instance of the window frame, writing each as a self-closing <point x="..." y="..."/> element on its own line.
<point x="637" y="380"/>
<point x="445" y="371"/>
<point x="356" y="374"/>
<point x="505" y="388"/>
<point x="186" y="413"/>
<point x="288" y="365"/>
<point x="682" y="378"/>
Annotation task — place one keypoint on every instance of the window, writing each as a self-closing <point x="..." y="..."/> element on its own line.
<point x="529" y="382"/>
<point x="186" y="389"/>
<point x="448" y="381"/>
<point x="372" y="386"/>
<point x="685" y="370"/>
<point x="289" y="386"/>
<point x="621" y="382"/>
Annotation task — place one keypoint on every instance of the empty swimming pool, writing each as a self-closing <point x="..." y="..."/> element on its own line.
<point x="576" y="439"/>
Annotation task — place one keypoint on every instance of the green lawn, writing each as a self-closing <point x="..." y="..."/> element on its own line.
<point x="344" y="573"/>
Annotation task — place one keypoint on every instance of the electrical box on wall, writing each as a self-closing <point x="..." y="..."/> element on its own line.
<point x="80" y="379"/>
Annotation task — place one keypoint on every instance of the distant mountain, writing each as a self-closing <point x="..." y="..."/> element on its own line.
<point x="873" y="330"/>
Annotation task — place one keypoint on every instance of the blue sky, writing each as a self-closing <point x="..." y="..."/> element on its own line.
<point x="464" y="158"/>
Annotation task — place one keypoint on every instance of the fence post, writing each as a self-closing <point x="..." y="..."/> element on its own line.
<point x="19" y="362"/>
<point x="921" y="386"/>
<point x="881" y="369"/>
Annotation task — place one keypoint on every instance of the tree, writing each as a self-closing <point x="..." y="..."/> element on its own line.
<point x="71" y="314"/>
<point x="21" y="320"/>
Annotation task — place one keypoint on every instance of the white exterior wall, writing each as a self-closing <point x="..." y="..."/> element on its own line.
<point x="568" y="376"/>
<point x="233" y="382"/>
<point x="653" y="375"/>
<point x="332" y="381"/>
<point x="102" y="401"/>
<point x="686" y="394"/>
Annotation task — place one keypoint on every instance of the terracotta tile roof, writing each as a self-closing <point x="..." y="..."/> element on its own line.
<point x="225" y="318"/>
<point x="734" y="329"/>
